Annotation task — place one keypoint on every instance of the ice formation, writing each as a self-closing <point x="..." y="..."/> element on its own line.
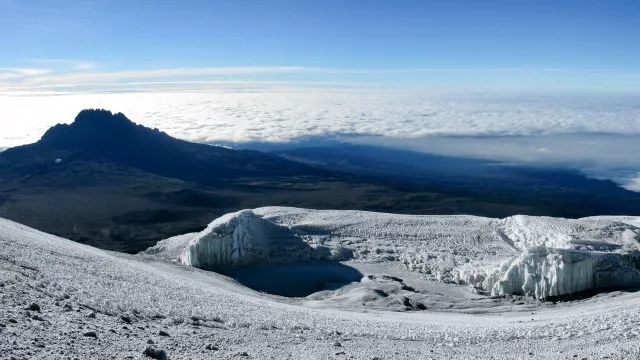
<point x="534" y="256"/>
<point x="244" y="239"/>
<point x="544" y="272"/>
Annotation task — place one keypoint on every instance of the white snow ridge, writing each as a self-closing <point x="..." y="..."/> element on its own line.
<point x="320" y="284"/>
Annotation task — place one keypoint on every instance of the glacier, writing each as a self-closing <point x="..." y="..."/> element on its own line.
<point x="247" y="239"/>
<point x="540" y="257"/>
<point x="243" y="239"/>
<point x="544" y="272"/>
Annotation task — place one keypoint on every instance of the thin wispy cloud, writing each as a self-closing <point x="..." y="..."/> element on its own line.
<point x="442" y="70"/>
<point x="10" y="73"/>
<point x="69" y="73"/>
<point x="633" y="184"/>
<point x="191" y="86"/>
<point x="67" y="64"/>
<point x="89" y="77"/>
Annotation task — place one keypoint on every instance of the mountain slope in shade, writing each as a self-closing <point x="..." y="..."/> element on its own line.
<point x="102" y="135"/>
<point x="108" y="182"/>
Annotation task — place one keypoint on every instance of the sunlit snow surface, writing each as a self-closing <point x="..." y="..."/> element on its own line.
<point x="399" y="255"/>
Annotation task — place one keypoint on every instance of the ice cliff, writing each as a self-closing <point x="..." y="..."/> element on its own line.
<point x="242" y="239"/>
<point x="544" y="272"/>
<point x="245" y="238"/>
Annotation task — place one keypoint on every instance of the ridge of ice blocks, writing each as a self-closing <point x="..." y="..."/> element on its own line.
<point x="529" y="255"/>
<point x="246" y="239"/>
<point x="546" y="272"/>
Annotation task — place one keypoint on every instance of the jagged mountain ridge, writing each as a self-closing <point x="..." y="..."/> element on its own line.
<point x="102" y="135"/>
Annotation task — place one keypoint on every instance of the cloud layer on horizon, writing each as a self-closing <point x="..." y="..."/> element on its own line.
<point x="80" y="76"/>
<point x="596" y="133"/>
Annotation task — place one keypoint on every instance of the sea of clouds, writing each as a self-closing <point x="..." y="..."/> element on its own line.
<point x="599" y="134"/>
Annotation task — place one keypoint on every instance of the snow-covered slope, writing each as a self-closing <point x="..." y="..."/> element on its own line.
<point x="93" y="303"/>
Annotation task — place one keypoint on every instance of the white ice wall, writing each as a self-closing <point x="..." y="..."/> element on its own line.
<point x="545" y="272"/>
<point x="244" y="239"/>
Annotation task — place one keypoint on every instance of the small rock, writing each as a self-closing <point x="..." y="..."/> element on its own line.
<point x="163" y="333"/>
<point x="36" y="317"/>
<point x="92" y="315"/>
<point x="33" y="307"/>
<point x="211" y="347"/>
<point x="150" y="342"/>
<point x="155" y="353"/>
<point x="13" y="321"/>
<point x="112" y="330"/>
<point x="90" y="334"/>
<point x="125" y="319"/>
<point x="126" y="328"/>
<point x="242" y="353"/>
<point x="67" y="307"/>
<point x="336" y="344"/>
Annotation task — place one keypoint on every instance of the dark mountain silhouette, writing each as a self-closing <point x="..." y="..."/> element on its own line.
<point x="102" y="135"/>
<point x="111" y="183"/>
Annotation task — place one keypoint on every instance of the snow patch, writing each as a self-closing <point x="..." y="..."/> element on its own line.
<point x="530" y="231"/>
<point x="169" y="249"/>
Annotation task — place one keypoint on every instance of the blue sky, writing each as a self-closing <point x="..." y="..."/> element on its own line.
<point x="537" y="45"/>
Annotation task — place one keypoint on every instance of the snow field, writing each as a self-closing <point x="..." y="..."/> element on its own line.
<point x="403" y="249"/>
